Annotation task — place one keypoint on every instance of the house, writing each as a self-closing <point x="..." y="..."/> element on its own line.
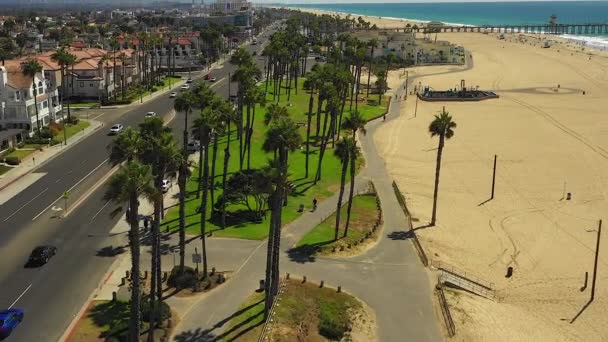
<point x="17" y="99"/>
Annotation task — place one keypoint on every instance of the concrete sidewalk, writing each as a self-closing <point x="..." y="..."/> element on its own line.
<point x="38" y="159"/>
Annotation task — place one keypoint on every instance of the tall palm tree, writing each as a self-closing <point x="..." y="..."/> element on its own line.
<point x="132" y="179"/>
<point x="283" y="137"/>
<point x="373" y="44"/>
<point x="355" y="122"/>
<point x="443" y="127"/>
<point x="31" y="68"/>
<point x="184" y="104"/>
<point x="342" y="151"/>
<point x="114" y="45"/>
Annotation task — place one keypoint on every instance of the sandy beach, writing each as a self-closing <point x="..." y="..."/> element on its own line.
<point x="550" y="139"/>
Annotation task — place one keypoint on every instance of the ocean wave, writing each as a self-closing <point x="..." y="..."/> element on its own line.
<point x="596" y="42"/>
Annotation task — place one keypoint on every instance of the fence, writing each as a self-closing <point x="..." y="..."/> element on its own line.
<point x="445" y="310"/>
<point x="417" y="245"/>
<point x="464" y="280"/>
<point x="269" y="321"/>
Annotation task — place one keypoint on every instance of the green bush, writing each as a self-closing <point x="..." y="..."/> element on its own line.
<point x="21" y="144"/>
<point x="36" y="141"/>
<point x="179" y="281"/>
<point x="46" y="133"/>
<point x="333" y="320"/>
<point x="12" y="160"/>
<point x="163" y="311"/>
<point x="72" y="120"/>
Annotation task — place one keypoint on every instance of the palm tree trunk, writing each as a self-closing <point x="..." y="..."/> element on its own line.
<point x="249" y="134"/>
<point x="225" y="175"/>
<point x="213" y="162"/>
<point x="437" y="171"/>
<point x="135" y="312"/>
<point x="200" y="164"/>
<point x="269" y="260"/>
<point x="353" y="169"/>
<point x="35" y="92"/>
<point x="339" y="206"/>
<point x="181" y="181"/>
<point x="309" y="119"/>
<point x="319" y="110"/>
<point x="204" y="208"/>
<point x="324" y="141"/>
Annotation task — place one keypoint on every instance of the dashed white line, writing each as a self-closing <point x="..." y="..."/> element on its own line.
<point x="21" y="295"/>
<point x="70" y="189"/>
<point x="23" y="206"/>
<point x="95" y="118"/>
<point x="102" y="208"/>
<point x="217" y="83"/>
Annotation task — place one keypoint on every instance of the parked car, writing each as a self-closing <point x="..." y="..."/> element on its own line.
<point x="208" y="77"/>
<point x="116" y="129"/>
<point x="166" y="185"/>
<point x="189" y="80"/>
<point x="150" y="114"/>
<point x="193" y="146"/>
<point x="41" y="255"/>
<point x="9" y="320"/>
<point x="185" y="87"/>
<point x="173" y="94"/>
<point x="213" y="79"/>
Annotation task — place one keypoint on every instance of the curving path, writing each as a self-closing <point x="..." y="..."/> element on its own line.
<point x="388" y="277"/>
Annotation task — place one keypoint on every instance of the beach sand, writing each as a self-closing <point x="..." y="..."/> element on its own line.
<point x="547" y="139"/>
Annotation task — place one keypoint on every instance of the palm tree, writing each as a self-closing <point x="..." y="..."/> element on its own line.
<point x="274" y="113"/>
<point x="132" y="179"/>
<point x="443" y="127"/>
<point x="283" y="136"/>
<point x="31" y="68"/>
<point x="183" y="103"/>
<point x="355" y="122"/>
<point x="342" y="151"/>
<point x="114" y="46"/>
<point x="373" y="45"/>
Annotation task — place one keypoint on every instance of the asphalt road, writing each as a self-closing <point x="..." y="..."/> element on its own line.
<point x="52" y="295"/>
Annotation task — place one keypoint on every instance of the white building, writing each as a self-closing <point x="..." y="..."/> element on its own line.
<point x="17" y="99"/>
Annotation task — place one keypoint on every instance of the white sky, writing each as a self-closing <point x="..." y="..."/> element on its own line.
<point x="385" y="1"/>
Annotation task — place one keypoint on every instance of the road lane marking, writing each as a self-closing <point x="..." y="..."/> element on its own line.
<point x="70" y="189"/>
<point x="58" y="180"/>
<point x="23" y="206"/>
<point x="218" y="82"/>
<point x="22" y="293"/>
<point x="95" y="118"/>
<point x="102" y="208"/>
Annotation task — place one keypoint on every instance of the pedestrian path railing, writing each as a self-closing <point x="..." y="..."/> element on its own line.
<point x="412" y="233"/>
<point x="452" y="275"/>
<point x="266" y="328"/>
<point x="445" y="309"/>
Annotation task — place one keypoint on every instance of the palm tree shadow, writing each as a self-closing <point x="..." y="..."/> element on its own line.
<point x="484" y="202"/>
<point x="428" y="225"/>
<point x="306" y="253"/>
<point x="200" y="335"/>
<point x="581" y="311"/>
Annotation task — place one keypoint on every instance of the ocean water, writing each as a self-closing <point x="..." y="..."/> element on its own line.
<point x="485" y="13"/>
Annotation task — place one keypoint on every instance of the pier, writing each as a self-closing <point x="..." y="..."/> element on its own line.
<point x="557" y="29"/>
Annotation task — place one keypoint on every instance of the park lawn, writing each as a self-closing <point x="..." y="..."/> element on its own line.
<point x="85" y="104"/>
<point x="247" y="324"/>
<point x="134" y="95"/>
<point x="20" y="153"/>
<point x="364" y="215"/>
<point x="100" y="318"/>
<point x="305" y="191"/>
<point x="319" y="313"/>
<point x="4" y="169"/>
<point x="71" y="130"/>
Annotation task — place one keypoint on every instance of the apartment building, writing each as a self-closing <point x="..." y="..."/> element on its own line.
<point x="17" y="102"/>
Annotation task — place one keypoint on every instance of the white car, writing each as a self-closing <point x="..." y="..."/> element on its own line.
<point x="173" y="94"/>
<point x="116" y="129"/>
<point x="166" y="185"/>
<point x="185" y="87"/>
<point x="150" y="114"/>
<point x="213" y="79"/>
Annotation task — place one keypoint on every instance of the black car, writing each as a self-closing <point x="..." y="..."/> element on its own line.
<point x="41" y="255"/>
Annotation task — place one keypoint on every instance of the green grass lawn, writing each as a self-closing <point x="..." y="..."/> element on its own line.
<point x="364" y="214"/>
<point x="305" y="190"/>
<point x="84" y="104"/>
<point x="4" y="169"/>
<point x="305" y="309"/>
<point x="21" y="154"/>
<point x="71" y="130"/>
<point x="134" y="95"/>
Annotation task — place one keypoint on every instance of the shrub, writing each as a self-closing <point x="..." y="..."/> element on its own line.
<point x="8" y="151"/>
<point x="36" y="141"/>
<point x="333" y="320"/>
<point x="46" y="133"/>
<point x="163" y="311"/>
<point x="179" y="281"/>
<point x="12" y="160"/>
<point x="72" y="120"/>
<point x="21" y="144"/>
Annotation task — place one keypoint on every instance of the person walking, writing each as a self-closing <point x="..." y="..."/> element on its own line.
<point x="314" y="204"/>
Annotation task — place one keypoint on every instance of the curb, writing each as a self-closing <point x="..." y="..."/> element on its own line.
<point x="69" y="331"/>
<point x="67" y="147"/>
